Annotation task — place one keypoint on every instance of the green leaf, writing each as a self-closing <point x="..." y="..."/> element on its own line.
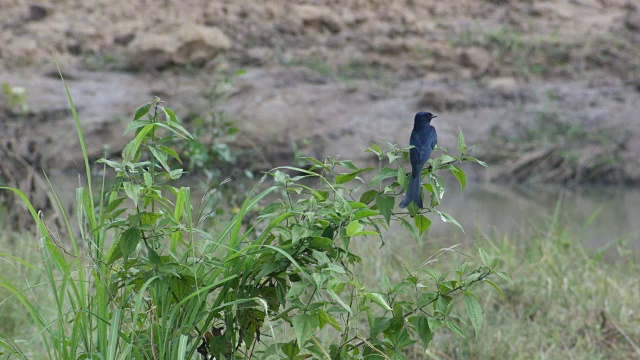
<point x="171" y="152"/>
<point x="462" y="148"/>
<point x="280" y="177"/>
<point x="148" y="180"/>
<point x="421" y="324"/>
<point x="495" y="286"/>
<point x="448" y="218"/>
<point x="374" y="148"/>
<point x="460" y="175"/>
<point x="136" y="125"/>
<point x="400" y="339"/>
<point x="129" y="151"/>
<point x="129" y="241"/>
<point x="364" y="213"/>
<point x="171" y="116"/>
<point x="380" y="324"/>
<point x="337" y="298"/>
<point x="141" y="136"/>
<point x="348" y="164"/>
<point x="113" y="204"/>
<point x="434" y="324"/>
<point x="299" y="232"/>
<point x="177" y="129"/>
<point x="175" y="174"/>
<point x="384" y="281"/>
<point x="486" y="259"/>
<point x="472" y="159"/>
<point x="427" y="298"/>
<point x="133" y="191"/>
<point x="149" y="218"/>
<point x="442" y="304"/>
<point x="413" y="210"/>
<point x="327" y="233"/>
<point x="410" y="228"/>
<point x="422" y="223"/>
<point x="433" y="274"/>
<point x="504" y="275"/>
<point x="385" y="173"/>
<point x="357" y="205"/>
<point x="474" y="310"/>
<point x="141" y="111"/>
<point x="304" y="325"/>
<point x="353" y="227"/>
<point x="368" y="196"/>
<point x="328" y="319"/>
<point x="115" y="251"/>
<point x="365" y="232"/>
<point x="402" y="178"/>
<point x="296" y="290"/>
<point x="343" y="178"/>
<point x="290" y="350"/>
<point x="453" y="327"/>
<point x="472" y="277"/>
<point x="154" y="258"/>
<point x="385" y="205"/>
<point x="378" y="299"/>
<point x="161" y="156"/>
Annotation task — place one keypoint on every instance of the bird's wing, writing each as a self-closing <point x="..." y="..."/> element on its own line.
<point x="426" y="144"/>
<point x="418" y="144"/>
<point x="434" y="140"/>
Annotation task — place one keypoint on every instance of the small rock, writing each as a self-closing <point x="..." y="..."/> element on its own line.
<point x="199" y="44"/>
<point x="552" y="10"/>
<point x="189" y="44"/>
<point x="630" y="6"/>
<point x="69" y="74"/>
<point x="258" y="55"/>
<point x="288" y="26"/>
<point x="319" y="18"/>
<point x="124" y="39"/>
<point x="632" y="21"/>
<point x="442" y="100"/>
<point x="38" y="12"/>
<point x="634" y="83"/>
<point x="475" y="58"/>
<point x="384" y="45"/>
<point x="153" y="50"/>
<point x="503" y="84"/>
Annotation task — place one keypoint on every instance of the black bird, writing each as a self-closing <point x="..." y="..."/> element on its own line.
<point x="423" y="139"/>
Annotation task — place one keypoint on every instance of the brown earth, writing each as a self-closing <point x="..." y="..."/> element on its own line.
<point x="549" y="90"/>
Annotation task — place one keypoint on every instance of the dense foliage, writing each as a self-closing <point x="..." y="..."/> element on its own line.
<point x="148" y="277"/>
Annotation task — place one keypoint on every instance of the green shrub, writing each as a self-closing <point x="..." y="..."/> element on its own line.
<point x="146" y="280"/>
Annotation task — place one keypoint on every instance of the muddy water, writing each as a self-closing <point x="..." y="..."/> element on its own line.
<point x="599" y="216"/>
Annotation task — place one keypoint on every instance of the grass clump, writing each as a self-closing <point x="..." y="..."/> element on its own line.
<point x="551" y="55"/>
<point x="348" y="71"/>
<point x="566" y="302"/>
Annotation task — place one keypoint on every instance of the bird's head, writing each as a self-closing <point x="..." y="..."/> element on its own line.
<point x="423" y="117"/>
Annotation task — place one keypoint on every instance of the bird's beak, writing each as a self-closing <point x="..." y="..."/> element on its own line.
<point x="434" y="117"/>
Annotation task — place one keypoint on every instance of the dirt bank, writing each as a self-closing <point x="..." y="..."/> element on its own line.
<point x="547" y="89"/>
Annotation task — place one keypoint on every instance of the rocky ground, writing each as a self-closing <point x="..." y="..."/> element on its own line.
<point x="549" y="90"/>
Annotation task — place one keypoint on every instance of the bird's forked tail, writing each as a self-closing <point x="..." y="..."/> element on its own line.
<point x="413" y="192"/>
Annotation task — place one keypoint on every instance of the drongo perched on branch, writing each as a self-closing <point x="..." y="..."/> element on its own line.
<point x="423" y="139"/>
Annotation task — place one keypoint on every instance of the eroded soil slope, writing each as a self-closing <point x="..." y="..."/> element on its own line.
<point x="548" y="89"/>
